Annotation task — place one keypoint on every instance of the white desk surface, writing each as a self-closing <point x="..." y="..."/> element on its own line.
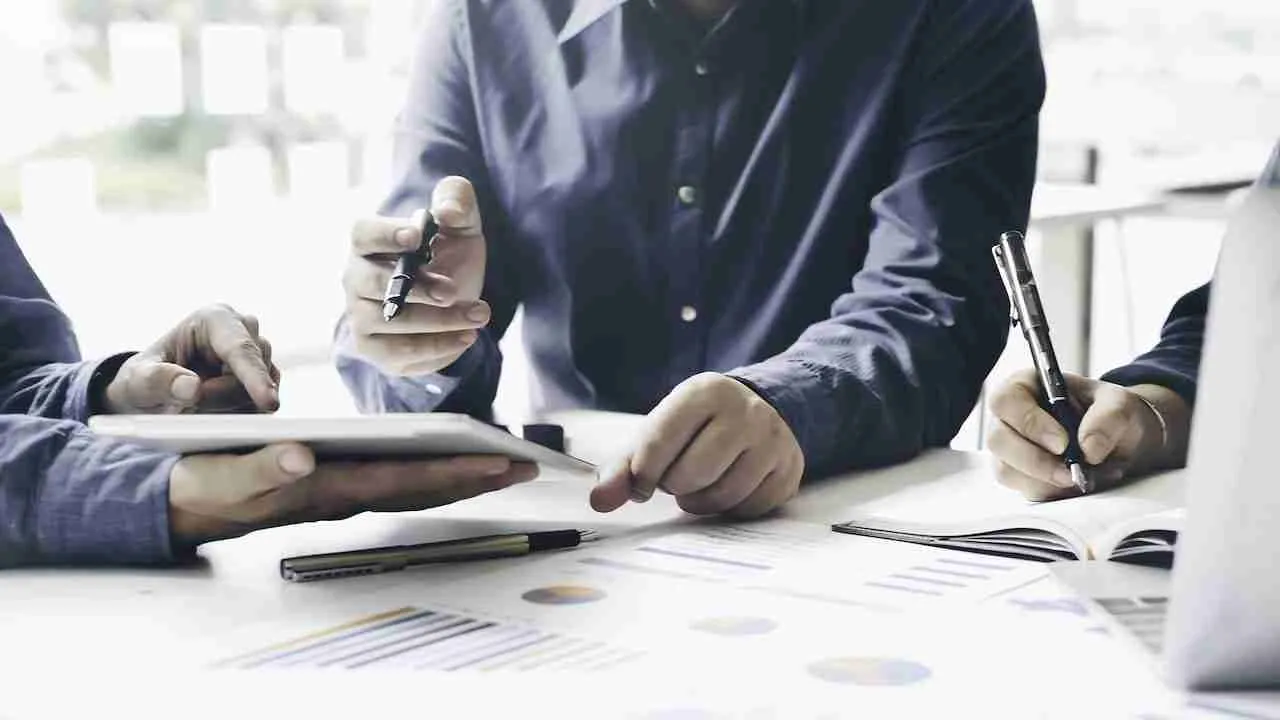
<point x="104" y="638"/>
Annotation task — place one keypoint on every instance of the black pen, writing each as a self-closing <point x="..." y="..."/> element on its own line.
<point x="1027" y="312"/>
<point x="407" y="265"/>
<point x="306" y="568"/>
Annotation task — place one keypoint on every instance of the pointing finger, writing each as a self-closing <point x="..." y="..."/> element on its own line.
<point x="385" y="236"/>
<point x="236" y="348"/>
<point x="1016" y="404"/>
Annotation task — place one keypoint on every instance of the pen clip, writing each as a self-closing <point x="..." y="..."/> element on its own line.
<point x="1002" y="267"/>
<point x="333" y="572"/>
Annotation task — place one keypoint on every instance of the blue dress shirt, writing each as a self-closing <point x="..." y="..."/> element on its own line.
<point x="65" y="496"/>
<point x="802" y="197"/>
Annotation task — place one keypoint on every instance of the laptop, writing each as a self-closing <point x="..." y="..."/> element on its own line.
<point x="1213" y="622"/>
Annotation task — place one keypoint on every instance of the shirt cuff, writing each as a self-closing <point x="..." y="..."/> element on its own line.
<point x="1141" y="373"/>
<point x="781" y="388"/>
<point x="86" y="395"/>
<point x="377" y="392"/>
<point x="104" y="501"/>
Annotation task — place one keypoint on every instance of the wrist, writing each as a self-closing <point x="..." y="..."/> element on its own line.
<point x="1165" y="422"/>
<point x="102" y="390"/>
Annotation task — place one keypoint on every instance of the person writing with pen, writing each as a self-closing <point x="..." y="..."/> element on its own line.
<point x="1136" y="418"/>
<point x="764" y="225"/>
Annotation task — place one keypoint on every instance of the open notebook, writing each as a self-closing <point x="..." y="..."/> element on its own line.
<point x="1138" y="522"/>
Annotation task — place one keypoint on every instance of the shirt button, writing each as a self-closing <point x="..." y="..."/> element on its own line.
<point x="434" y="389"/>
<point x="701" y="68"/>
<point x="688" y="313"/>
<point x="688" y="194"/>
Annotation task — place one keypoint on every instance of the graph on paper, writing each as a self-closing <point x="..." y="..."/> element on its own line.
<point x="412" y="638"/>
<point x="656" y="596"/>
<point x="713" y="554"/>
<point x="783" y="559"/>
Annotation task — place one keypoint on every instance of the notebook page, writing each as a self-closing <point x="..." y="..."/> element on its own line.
<point x="972" y="501"/>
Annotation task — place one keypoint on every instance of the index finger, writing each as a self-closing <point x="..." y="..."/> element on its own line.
<point x="455" y="208"/>
<point x="674" y="423"/>
<point x="1016" y="403"/>
<point x="385" y="236"/>
<point x="235" y="346"/>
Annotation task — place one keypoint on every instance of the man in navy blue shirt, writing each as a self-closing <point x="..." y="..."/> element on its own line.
<point x="68" y="496"/>
<point x="765" y="223"/>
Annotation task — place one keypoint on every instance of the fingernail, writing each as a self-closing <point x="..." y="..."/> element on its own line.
<point x="527" y="473"/>
<point x="1092" y="446"/>
<point x="294" y="462"/>
<point x="451" y="207"/>
<point x="638" y="495"/>
<point x="466" y="339"/>
<point x="184" y="388"/>
<point x="479" y="313"/>
<point x="1062" y="478"/>
<point x="407" y="238"/>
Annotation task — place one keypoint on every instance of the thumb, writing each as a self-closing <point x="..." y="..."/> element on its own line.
<point x="1105" y="425"/>
<point x="276" y="466"/>
<point x="154" y="386"/>
<point x="614" y="488"/>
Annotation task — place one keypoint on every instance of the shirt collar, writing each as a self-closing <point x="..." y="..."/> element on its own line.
<point x="586" y="12"/>
<point x="583" y="14"/>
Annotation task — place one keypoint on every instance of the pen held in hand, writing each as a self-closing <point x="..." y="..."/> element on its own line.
<point x="306" y="568"/>
<point x="406" y="270"/>
<point x="1028" y="314"/>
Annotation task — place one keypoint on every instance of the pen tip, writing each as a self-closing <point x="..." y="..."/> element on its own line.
<point x="588" y="535"/>
<point x="389" y="311"/>
<point x="1078" y="477"/>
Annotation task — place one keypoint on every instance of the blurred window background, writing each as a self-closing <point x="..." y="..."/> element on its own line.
<point x="158" y="155"/>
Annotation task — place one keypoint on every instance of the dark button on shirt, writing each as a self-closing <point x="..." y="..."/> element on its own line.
<point x="802" y="196"/>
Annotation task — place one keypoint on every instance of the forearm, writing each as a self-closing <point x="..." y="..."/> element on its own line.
<point x="870" y="387"/>
<point x="59" y="390"/>
<point x="66" y="496"/>
<point x="900" y="362"/>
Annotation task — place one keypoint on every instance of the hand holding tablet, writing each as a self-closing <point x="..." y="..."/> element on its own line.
<point x="242" y="473"/>
<point x="401" y="435"/>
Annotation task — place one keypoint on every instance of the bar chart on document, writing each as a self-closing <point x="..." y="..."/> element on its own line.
<point x="697" y="589"/>
<point x="420" y="639"/>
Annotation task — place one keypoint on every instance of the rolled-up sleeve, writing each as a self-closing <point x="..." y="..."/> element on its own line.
<point x="65" y="495"/>
<point x="900" y="362"/>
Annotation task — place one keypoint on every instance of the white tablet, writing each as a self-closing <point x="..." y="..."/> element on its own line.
<point x="363" y="436"/>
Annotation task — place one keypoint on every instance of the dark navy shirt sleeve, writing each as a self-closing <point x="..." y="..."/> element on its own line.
<point x="900" y="362"/>
<point x="64" y="494"/>
<point x="1174" y="362"/>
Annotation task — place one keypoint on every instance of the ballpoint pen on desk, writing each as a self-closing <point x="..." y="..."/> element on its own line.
<point x="1028" y="314"/>
<point x="306" y="568"/>
<point x="407" y="264"/>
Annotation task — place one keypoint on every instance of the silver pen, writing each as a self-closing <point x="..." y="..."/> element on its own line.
<point x="306" y="568"/>
<point x="1028" y="314"/>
